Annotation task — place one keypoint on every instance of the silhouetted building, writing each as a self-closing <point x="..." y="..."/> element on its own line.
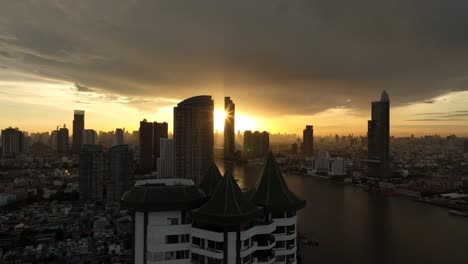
<point x="12" y="141"/>
<point x="78" y="127"/>
<point x="118" y="137"/>
<point x="193" y="137"/>
<point x="92" y="171"/>
<point x="104" y="175"/>
<point x="229" y="126"/>
<point x="294" y="149"/>
<point x="150" y="133"/>
<point x="63" y="140"/>
<point x="465" y="146"/>
<point x="308" y="141"/>
<point x="160" y="130"/>
<point x="89" y="137"/>
<point x="54" y="139"/>
<point x="379" y="138"/>
<point x="166" y="160"/>
<point x="120" y="177"/>
<point x="146" y="145"/>
<point x="256" y="144"/>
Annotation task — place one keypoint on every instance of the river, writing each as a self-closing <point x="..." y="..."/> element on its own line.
<point x="354" y="226"/>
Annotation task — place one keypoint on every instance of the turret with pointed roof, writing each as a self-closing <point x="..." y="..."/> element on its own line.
<point x="384" y="97"/>
<point x="227" y="206"/>
<point x="211" y="180"/>
<point x="272" y="192"/>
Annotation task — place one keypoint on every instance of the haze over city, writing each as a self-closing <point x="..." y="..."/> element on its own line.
<point x="286" y="63"/>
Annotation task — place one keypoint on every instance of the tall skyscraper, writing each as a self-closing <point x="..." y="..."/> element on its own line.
<point x="89" y="137"/>
<point x="12" y="141"/>
<point x="308" y="141"/>
<point x="166" y="158"/>
<point x="119" y="137"/>
<point x="193" y="137"/>
<point x="146" y="145"/>
<point x="63" y="140"/>
<point x="78" y="127"/>
<point x="229" y="126"/>
<point x="379" y="137"/>
<point x="120" y="178"/>
<point x="54" y="139"/>
<point x="160" y="130"/>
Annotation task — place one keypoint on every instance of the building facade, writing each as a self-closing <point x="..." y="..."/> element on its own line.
<point x="229" y="128"/>
<point x="166" y="160"/>
<point x="63" y="140"/>
<point x="308" y="141"/>
<point x="160" y="130"/>
<point x="146" y="145"/>
<point x="379" y="138"/>
<point x="78" y="127"/>
<point x="89" y="137"/>
<point x="119" y="137"/>
<point x="104" y="175"/>
<point x="12" y="141"/>
<point x="256" y="144"/>
<point x="175" y="222"/>
<point x="193" y="137"/>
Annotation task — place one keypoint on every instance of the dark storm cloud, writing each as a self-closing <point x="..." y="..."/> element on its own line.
<point x="291" y="57"/>
<point x="81" y="88"/>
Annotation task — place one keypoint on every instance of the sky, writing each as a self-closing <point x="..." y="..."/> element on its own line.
<point x="285" y="63"/>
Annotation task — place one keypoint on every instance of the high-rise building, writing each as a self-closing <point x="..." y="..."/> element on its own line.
<point x="166" y="161"/>
<point x="89" y="137"/>
<point x="294" y="149"/>
<point x="160" y="130"/>
<point x="63" y="140"/>
<point x="256" y="144"/>
<point x="120" y="178"/>
<point x="12" y="141"/>
<point x="92" y="170"/>
<point x="146" y="145"/>
<point x="308" y="141"/>
<point x="229" y="128"/>
<point x="119" y="137"/>
<point x="78" y="127"/>
<point x="193" y="137"/>
<point x="379" y="138"/>
<point x="104" y="175"/>
<point x="54" y="139"/>
<point x="465" y="146"/>
<point x="176" y="221"/>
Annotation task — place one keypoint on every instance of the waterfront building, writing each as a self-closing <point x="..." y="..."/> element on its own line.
<point x="323" y="164"/>
<point x="308" y="141"/>
<point x="256" y="144"/>
<point x="379" y="138"/>
<point x="229" y="128"/>
<point x="218" y="223"/>
<point x="193" y="137"/>
<point x="78" y="127"/>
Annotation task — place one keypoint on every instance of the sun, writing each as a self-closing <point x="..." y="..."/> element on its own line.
<point x="219" y="116"/>
<point x="242" y="122"/>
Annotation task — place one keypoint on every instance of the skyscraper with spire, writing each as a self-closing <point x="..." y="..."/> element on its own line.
<point x="78" y="127"/>
<point x="379" y="138"/>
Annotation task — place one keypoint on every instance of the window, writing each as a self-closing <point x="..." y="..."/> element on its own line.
<point x="280" y="244"/>
<point x="173" y="221"/>
<point x="185" y="238"/>
<point x="196" y="241"/>
<point x="246" y="259"/>
<point x="172" y="239"/>
<point x="280" y="230"/>
<point x="246" y="243"/>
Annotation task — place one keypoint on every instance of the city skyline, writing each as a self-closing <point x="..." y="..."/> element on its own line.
<point x="128" y="59"/>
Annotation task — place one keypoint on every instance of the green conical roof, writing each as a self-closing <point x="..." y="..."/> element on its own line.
<point x="227" y="206"/>
<point x="211" y="180"/>
<point x="272" y="192"/>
